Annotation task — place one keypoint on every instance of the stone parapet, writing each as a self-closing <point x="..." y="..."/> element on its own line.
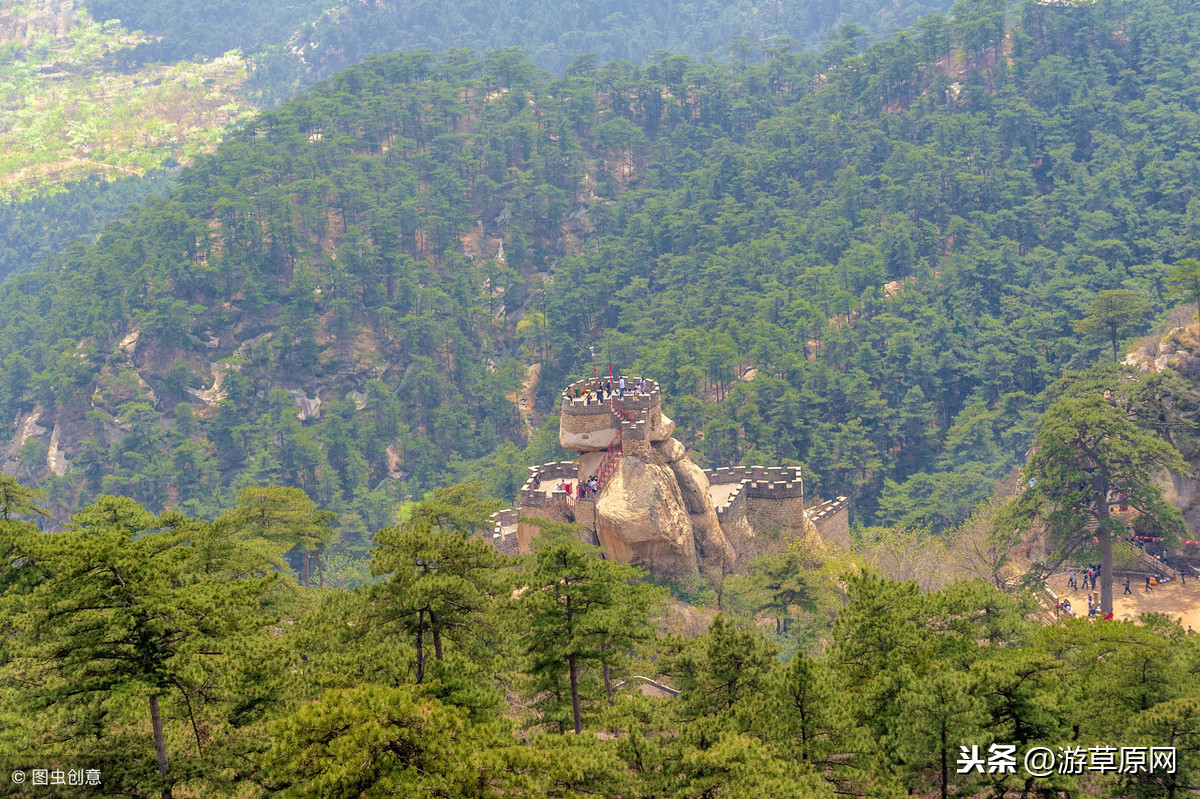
<point x="530" y="497"/>
<point x="502" y="519"/>
<point x="589" y="424"/>
<point x="767" y="498"/>
<point x="637" y="427"/>
<point x="832" y="521"/>
<point x="650" y="398"/>
<point x="762" y="482"/>
<point x="504" y="538"/>
<point x="733" y="508"/>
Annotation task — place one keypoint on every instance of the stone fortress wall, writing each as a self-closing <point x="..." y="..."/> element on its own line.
<point x="546" y="502"/>
<point x="587" y="423"/>
<point x="547" y="496"/>
<point x="832" y="521"/>
<point x="768" y="497"/>
<point x="739" y="500"/>
<point x="732" y="509"/>
<point x="504" y="531"/>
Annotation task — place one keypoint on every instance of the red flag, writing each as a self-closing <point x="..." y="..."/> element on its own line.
<point x="594" y="372"/>
<point x="610" y="370"/>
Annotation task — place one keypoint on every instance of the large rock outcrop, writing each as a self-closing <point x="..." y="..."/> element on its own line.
<point x="656" y="512"/>
<point x="715" y="556"/>
<point x="1177" y="349"/>
<point x="641" y="519"/>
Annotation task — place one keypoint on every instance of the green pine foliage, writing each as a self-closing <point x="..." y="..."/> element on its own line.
<point x="894" y="244"/>
<point x="180" y="657"/>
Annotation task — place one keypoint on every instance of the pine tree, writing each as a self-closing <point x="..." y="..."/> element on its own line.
<point x="439" y="584"/>
<point x="1086" y="453"/>
<point x="582" y="611"/>
<point x="128" y="608"/>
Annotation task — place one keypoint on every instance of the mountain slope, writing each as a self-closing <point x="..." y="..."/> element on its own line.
<point x="893" y="247"/>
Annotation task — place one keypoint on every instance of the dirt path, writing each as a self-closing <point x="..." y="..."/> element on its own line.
<point x="523" y="399"/>
<point x="1179" y="602"/>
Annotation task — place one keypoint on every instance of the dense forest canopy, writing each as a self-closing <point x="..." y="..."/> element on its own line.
<point x="94" y="88"/>
<point x="895" y="245"/>
<point x="310" y="40"/>
<point x="171" y="657"/>
<point x="246" y="402"/>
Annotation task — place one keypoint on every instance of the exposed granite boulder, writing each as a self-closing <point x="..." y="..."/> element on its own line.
<point x="1176" y="350"/>
<point x="670" y="450"/>
<point x="641" y="519"/>
<point x="716" y="556"/>
<point x="662" y="427"/>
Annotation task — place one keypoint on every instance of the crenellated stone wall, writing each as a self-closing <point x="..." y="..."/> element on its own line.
<point x="546" y="496"/>
<point x="656" y="507"/>
<point x="766" y="482"/>
<point x="768" y="497"/>
<point x="588" y="423"/>
<point x="546" y="502"/>
<point x="832" y="521"/>
<point x="504" y="532"/>
<point x="733" y="508"/>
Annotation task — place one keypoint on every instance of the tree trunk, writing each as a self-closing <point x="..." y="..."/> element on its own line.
<point x="607" y="671"/>
<point x="420" y="646"/>
<point x="1106" y="543"/>
<point x="574" y="674"/>
<point x="945" y="775"/>
<point x="320" y="571"/>
<point x="160" y="743"/>
<point x="306" y="568"/>
<point x="437" y="636"/>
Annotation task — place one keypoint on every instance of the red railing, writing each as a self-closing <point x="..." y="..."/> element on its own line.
<point x="609" y="463"/>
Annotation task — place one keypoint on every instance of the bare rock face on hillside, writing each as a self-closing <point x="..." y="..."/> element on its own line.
<point x="713" y="551"/>
<point x="641" y="519"/>
<point x="1179" y="350"/>
<point x="655" y="512"/>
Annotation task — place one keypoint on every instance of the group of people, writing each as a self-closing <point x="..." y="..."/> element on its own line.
<point x="1062" y="608"/>
<point x="590" y="488"/>
<point x="606" y="389"/>
<point x="1093" y="573"/>
<point x="587" y="490"/>
<point x="1089" y="576"/>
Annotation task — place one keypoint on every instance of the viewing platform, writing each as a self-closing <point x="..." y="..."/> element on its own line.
<point x="590" y="418"/>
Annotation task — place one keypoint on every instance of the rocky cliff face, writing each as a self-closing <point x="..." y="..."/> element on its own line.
<point x="715" y="555"/>
<point x="1178" y="349"/>
<point x="655" y="512"/>
<point x="641" y="519"/>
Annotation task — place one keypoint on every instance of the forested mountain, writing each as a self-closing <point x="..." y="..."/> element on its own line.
<point x="895" y="245"/>
<point x="308" y="41"/>
<point x="554" y="34"/>
<point x="87" y="129"/>
<point x="185" y="30"/>
<point x="877" y="265"/>
<point x="111" y="89"/>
